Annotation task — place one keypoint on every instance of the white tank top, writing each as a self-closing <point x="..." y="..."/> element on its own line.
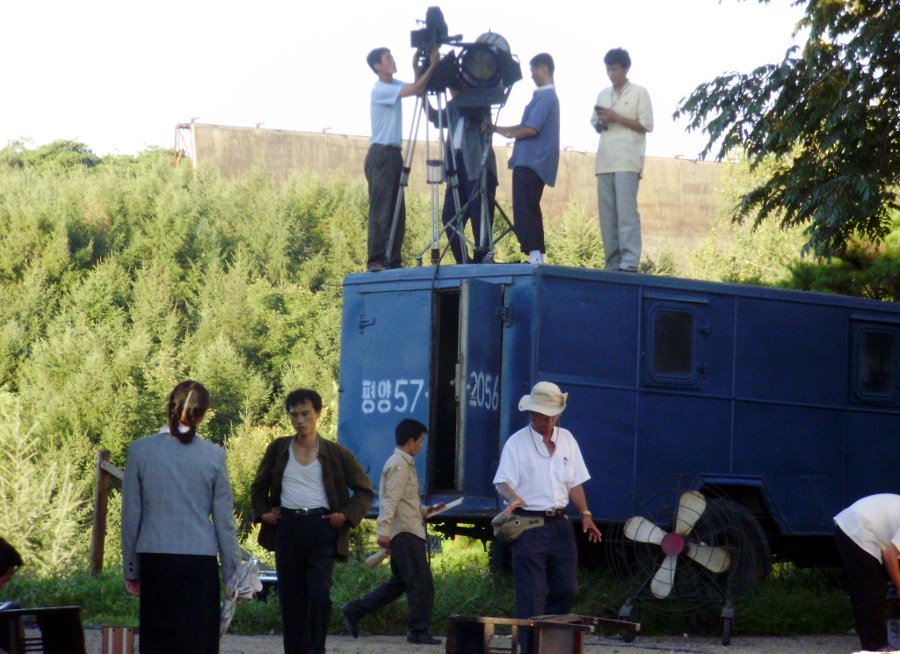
<point x="301" y="486"/>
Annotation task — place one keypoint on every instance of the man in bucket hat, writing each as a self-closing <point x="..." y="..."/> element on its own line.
<point x="541" y="470"/>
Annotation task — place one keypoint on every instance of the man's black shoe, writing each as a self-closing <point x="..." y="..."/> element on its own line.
<point x="422" y="639"/>
<point x="351" y="619"/>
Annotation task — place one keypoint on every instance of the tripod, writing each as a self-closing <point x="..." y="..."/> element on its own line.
<point x="482" y="193"/>
<point x="444" y="169"/>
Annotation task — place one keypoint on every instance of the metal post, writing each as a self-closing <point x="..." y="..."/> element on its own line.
<point x="101" y="504"/>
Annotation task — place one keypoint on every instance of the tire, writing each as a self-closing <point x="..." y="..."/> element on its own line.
<point x="499" y="558"/>
<point x="733" y="526"/>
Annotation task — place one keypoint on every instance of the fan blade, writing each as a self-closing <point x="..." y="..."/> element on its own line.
<point x="642" y="530"/>
<point x="715" y="559"/>
<point x="691" y="506"/>
<point x="664" y="578"/>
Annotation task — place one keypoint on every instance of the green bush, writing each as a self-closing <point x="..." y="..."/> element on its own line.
<point x="792" y="602"/>
<point x="43" y="511"/>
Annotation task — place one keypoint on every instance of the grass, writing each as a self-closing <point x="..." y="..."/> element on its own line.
<point x="791" y="602"/>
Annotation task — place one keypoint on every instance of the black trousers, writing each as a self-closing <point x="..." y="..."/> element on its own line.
<point x="528" y="188"/>
<point x="305" y="550"/>
<point x="384" y="167"/>
<point x="411" y="574"/>
<point x="468" y="189"/>
<point x="867" y="583"/>
<point x="179" y="609"/>
<point x="545" y="572"/>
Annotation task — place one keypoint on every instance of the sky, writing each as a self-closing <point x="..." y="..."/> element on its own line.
<point x="119" y="75"/>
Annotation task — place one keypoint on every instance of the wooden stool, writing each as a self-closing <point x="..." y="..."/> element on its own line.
<point x="118" y="640"/>
<point x="551" y="634"/>
<point x="60" y="630"/>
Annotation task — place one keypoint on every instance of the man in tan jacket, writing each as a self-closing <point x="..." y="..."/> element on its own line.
<point x="401" y="531"/>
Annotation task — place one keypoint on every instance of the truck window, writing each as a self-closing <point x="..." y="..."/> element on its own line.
<point x="876" y="363"/>
<point x="673" y="343"/>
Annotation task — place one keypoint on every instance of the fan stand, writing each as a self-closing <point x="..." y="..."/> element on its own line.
<point x="691" y="565"/>
<point x="726" y="616"/>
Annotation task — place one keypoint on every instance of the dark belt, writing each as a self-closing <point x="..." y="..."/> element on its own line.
<point x="318" y="511"/>
<point x="386" y="147"/>
<point x="549" y="513"/>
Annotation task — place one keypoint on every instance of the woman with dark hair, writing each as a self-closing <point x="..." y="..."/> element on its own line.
<point x="177" y="514"/>
<point x="10" y="561"/>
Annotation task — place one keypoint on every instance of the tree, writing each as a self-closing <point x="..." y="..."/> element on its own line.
<point x="60" y="154"/>
<point x="43" y="511"/>
<point x="829" y="114"/>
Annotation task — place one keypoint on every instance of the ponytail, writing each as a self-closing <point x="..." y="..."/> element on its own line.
<point x="188" y="403"/>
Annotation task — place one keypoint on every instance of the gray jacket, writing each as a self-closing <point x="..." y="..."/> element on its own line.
<point x="176" y="499"/>
<point x="474" y="141"/>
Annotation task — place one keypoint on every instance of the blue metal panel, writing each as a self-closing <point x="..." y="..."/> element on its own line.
<point x="385" y="367"/>
<point x="480" y="347"/>
<point x="871" y="444"/>
<point x="518" y="352"/>
<point x="791" y="352"/>
<point x="587" y="331"/>
<point x="602" y="421"/>
<point x="682" y="435"/>
<point x="797" y="450"/>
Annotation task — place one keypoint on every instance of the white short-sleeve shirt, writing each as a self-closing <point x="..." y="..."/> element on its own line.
<point x="542" y="480"/>
<point x="302" y="486"/>
<point x="872" y="522"/>
<point x="387" y="113"/>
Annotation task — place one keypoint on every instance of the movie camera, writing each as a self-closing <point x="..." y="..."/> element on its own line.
<point x="482" y="73"/>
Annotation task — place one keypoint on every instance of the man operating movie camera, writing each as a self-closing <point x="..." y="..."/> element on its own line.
<point x="478" y="78"/>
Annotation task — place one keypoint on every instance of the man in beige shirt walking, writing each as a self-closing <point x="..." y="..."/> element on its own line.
<point x="401" y="531"/>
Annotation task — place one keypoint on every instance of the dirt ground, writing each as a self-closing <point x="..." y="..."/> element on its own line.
<point x="593" y="645"/>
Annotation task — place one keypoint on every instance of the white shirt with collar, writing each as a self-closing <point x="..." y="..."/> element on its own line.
<point x="872" y="522"/>
<point x="542" y="480"/>
<point x="622" y="149"/>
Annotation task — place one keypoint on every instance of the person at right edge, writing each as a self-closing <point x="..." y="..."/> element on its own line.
<point x="622" y="116"/>
<point x="867" y="535"/>
<point x="541" y="469"/>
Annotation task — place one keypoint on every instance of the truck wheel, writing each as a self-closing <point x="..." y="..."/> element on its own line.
<point x="732" y="525"/>
<point x="499" y="558"/>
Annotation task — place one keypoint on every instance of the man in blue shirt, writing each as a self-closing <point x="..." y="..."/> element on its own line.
<point x="384" y="161"/>
<point x="535" y="158"/>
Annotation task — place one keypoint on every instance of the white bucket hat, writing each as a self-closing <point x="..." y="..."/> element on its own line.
<point x="545" y="398"/>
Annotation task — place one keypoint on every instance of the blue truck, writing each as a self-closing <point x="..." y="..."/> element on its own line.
<point x="781" y="406"/>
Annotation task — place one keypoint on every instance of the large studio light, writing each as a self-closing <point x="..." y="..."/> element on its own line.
<point x="480" y="66"/>
<point x="487" y="71"/>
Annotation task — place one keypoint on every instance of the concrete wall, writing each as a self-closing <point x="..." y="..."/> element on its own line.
<point x="678" y="198"/>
